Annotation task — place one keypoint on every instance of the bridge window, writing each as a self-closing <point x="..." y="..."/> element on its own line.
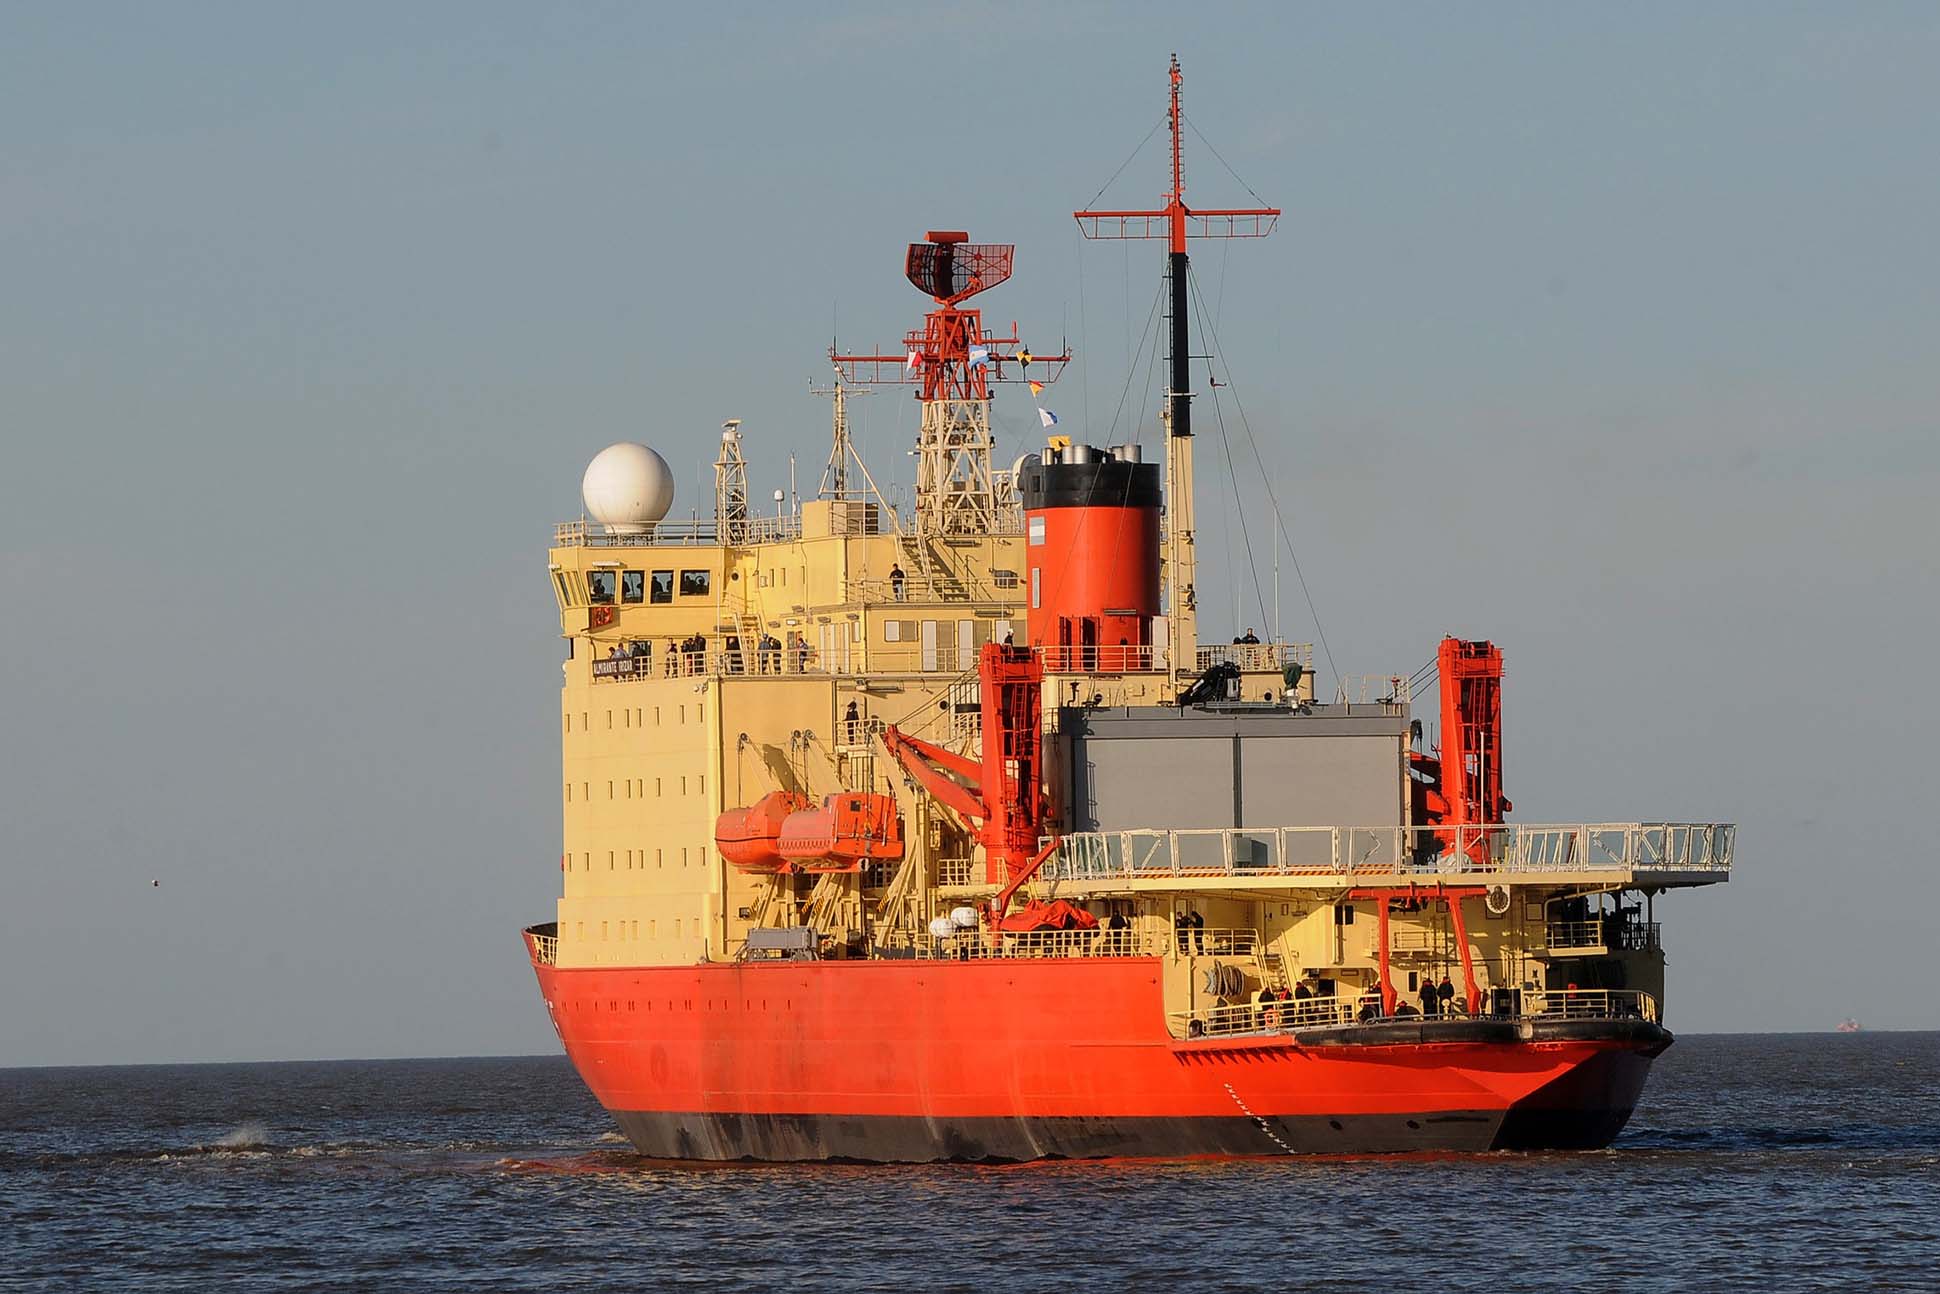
<point x="599" y="587"/>
<point x="1004" y="579"/>
<point x="1037" y="531"/>
<point x="663" y="586"/>
<point x="694" y="584"/>
<point x="633" y="586"/>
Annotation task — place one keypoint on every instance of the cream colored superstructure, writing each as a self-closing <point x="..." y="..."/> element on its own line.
<point x="656" y="746"/>
<point x="703" y="675"/>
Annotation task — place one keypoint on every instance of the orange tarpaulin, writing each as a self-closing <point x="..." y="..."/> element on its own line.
<point x="1057" y="915"/>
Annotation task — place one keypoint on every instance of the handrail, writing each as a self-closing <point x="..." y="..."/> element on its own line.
<point x="1269" y="1018"/>
<point x="1255" y="656"/>
<point x="687" y="532"/>
<point x="979" y="944"/>
<point x="1394" y="854"/>
<point x="544" y="949"/>
<point x="1608" y="931"/>
<point x="794" y="660"/>
<point x="1118" y="658"/>
<point x="1215" y="941"/>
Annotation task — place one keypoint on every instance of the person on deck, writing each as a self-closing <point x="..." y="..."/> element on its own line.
<point x="851" y="720"/>
<point x="897" y="580"/>
<point x="1197" y="921"/>
<point x="1430" y="1001"/>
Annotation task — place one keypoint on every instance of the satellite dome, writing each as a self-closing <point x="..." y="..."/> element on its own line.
<point x="627" y="488"/>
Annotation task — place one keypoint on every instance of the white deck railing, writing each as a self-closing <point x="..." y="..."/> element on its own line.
<point x="1266" y="1019"/>
<point x="1348" y="853"/>
<point x="684" y="532"/>
<point x="1255" y="656"/>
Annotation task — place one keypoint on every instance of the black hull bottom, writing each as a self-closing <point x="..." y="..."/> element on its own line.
<point x="1583" y="1110"/>
<point x="1541" y="1124"/>
<point x="893" y="1139"/>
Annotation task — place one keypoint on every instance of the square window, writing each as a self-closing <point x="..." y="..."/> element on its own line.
<point x="1004" y="579"/>
<point x="663" y="586"/>
<point x="599" y="587"/>
<point x="633" y="586"/>
<point x="694" y="584"/>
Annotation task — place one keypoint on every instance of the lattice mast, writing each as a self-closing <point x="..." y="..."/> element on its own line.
<point x="731" y="487"/>
<point x="953" y="361"/>
<point x="1176" y="222"/>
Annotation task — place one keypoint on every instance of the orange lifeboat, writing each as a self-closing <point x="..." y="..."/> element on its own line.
<point x="850" y="829"/>
<point x="747" y="837"/>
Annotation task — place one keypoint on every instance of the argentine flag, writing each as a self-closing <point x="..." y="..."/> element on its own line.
<point x="979" y="355"/>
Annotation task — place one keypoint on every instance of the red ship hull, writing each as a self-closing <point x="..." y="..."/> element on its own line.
<point x="1028" y="1059"/>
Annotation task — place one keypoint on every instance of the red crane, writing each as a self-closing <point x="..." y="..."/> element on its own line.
<point x="1001" y="791"/>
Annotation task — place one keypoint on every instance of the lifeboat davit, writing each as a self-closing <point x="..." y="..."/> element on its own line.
<point x="850" y="829"/>
<point x="748" y="837"/>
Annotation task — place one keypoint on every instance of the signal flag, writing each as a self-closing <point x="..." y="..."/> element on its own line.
<point x="1049" y="419"/>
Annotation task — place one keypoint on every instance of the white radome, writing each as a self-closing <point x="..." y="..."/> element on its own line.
<point x="627" y="488"/>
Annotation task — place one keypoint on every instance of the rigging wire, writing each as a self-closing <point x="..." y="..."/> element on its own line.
<point x="1246" y="532"/>
<point x="1222" y="161"/>
<point x="1131" y="367"/>
<point x="1266" y="480"/>
<point x="1084" y="332"/>
<point x="1156" y="127"/>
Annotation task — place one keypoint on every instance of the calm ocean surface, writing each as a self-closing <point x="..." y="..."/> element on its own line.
<point x="1779" y="1162"/>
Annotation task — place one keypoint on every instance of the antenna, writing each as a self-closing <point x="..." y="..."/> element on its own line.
<point x="1175" y="222"/>
<point x="843" y="455"/>
<point x="731" y="487"/>
<point x="952" y="360"/>
<point x="835" y="473"/>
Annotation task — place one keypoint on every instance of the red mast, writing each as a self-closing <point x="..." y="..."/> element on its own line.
<point x="1175" y="222"/>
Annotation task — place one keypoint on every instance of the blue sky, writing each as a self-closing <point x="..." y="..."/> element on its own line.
<point x="1604" y="331"/>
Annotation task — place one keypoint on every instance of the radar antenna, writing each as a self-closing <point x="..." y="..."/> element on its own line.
<point x="953" y="361"/>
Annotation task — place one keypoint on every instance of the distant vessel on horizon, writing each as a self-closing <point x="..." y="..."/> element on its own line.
<point x="1850" y="1025"/>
